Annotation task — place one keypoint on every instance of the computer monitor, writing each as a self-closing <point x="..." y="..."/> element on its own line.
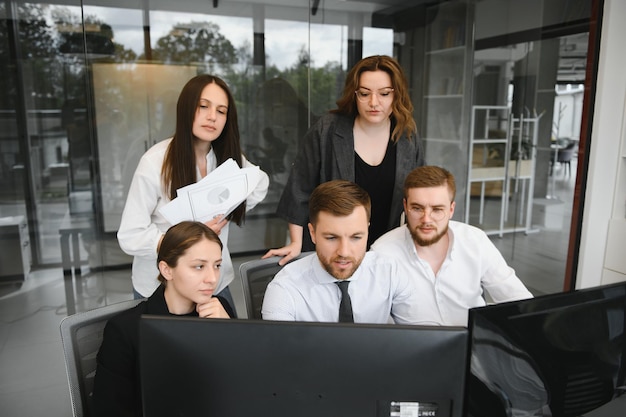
<point x="554" y="355"/>
<point x="244" y="368"/>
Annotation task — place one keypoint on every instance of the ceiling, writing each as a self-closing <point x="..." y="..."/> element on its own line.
<point x="572" y="60"/>
<point x="573" y="48"/>
<point x="573" y="57"/>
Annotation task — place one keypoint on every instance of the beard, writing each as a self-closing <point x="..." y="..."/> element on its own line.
<point x="340" y="273"/>
<point x="426" y="242"/>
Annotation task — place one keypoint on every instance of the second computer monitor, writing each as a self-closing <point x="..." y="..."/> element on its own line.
<point x="559" y="355"/>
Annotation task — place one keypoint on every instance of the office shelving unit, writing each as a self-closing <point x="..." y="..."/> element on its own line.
<point x="502" y="150"/>
<point x="488" y="160"/>
<point x="447" y="55"/>
<point x="524" y="136"/>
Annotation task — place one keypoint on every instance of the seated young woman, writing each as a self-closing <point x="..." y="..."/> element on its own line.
<point x="189" y="260"/>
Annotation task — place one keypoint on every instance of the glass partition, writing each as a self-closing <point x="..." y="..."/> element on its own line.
<point x="91" y="85"/>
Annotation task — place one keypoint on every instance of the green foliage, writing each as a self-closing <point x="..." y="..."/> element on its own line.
<point x="36" y="46"/>
<point x="326" y="82"/>
<point x="195" y="43"/>
<point x="53" y="77"/>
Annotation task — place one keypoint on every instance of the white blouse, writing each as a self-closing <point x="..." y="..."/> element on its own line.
<point x="142" y="225"/>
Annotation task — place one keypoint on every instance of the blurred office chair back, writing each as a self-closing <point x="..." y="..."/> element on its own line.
<point x="255" y="275"/>
<point x="81" y="336"/>
<point x="564" y="157"/>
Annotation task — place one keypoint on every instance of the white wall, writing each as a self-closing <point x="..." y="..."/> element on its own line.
<point x="605" y="144"/>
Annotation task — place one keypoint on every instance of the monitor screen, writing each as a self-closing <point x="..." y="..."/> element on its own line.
<point x="554" y="355"/>
<point x="244" y="368"/>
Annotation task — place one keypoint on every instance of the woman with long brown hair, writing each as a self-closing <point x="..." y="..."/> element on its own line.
<point x="206" y="135"/>
<point x="370" y="139"/>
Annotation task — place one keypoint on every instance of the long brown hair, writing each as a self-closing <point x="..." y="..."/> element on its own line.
<point x="401" y="107"/>
<point x="179" y="164"/>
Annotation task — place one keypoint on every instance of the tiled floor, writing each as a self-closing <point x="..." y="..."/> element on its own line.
<point x="33" y="381"/>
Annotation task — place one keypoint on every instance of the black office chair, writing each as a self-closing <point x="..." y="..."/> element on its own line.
<point x="255" y="275"/>
<point x="564" y="157"/>
<point x="81" y="335"/>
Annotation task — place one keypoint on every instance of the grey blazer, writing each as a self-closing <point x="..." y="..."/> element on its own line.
<point x="326" y="153"/>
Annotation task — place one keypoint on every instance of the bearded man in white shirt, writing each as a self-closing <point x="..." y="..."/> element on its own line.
<point x="451" y="263"/>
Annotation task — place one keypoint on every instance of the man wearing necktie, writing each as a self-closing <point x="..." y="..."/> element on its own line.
<point x="341" y="282"/>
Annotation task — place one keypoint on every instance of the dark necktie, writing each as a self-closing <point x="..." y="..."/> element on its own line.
<point x="345" y="307"/>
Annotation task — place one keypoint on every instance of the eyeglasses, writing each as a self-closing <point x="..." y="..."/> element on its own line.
<point x="364" y="95"/>
<point x="436" y="213"/>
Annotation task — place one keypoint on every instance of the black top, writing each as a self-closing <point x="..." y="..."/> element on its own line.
<point x="378" y="181"/>
<point x="327" y="153"/>
<point x="117" y="389"/>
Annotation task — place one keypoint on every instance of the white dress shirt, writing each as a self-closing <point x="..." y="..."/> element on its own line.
<point x="142" y="225"/>
<point x="304" y="291"/>
<point x="472" y="264"/>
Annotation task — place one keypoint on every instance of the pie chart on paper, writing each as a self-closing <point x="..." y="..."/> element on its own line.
<point x="218" y="195"/>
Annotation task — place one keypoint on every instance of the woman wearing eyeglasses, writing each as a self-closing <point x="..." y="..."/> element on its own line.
<point x="370" y="138"/>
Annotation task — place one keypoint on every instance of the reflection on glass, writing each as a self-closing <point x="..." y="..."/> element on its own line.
<point x="134" y="110"/>
<point x="91" y="112"/>
<point x="533" y="192"/>
<point x="557" y="355"/>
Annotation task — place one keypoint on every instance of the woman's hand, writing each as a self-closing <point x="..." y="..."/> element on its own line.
<point x="212" y="309"/>
<point x="217" y="223"/>
<point x="288" y="252"/>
